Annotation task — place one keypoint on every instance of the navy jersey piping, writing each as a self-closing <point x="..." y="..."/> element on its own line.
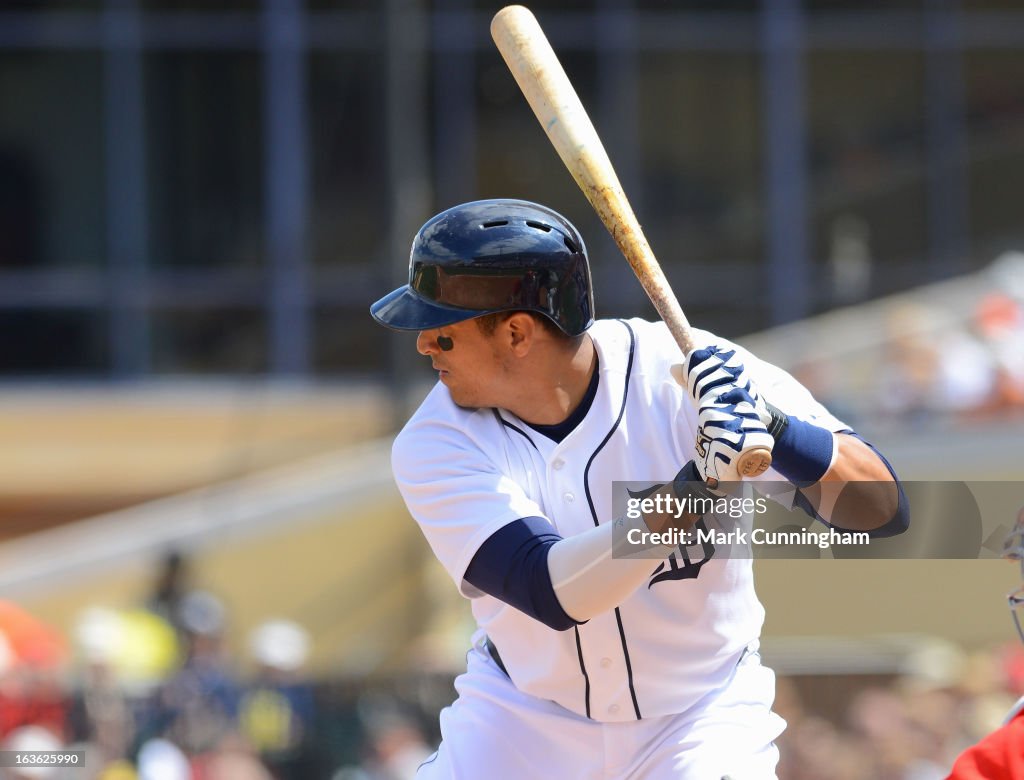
<point x="583" y="668"/>
<point x="593" y="514"/>
<point x="515" y="428"/>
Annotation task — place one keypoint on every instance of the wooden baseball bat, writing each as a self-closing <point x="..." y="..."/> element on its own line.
<point x="550" y="94"/>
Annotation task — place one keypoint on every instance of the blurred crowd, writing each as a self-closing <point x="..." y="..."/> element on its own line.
<point x="909" y="728"/>
<point x="924" y="360"/>
<point x="152" y="692"/>
<point x="974" y="369"/>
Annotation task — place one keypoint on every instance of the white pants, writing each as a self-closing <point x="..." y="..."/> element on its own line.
<point x="495" y="731"/>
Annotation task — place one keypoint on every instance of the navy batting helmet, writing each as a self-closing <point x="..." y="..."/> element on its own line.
<point x="489" y="256"/>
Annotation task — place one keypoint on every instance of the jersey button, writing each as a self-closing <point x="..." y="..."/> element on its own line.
<point x="557" y="464"/>
<point x="569" y="498"/>
<point x="613" y="709"/>
<point x="606" y="662"/>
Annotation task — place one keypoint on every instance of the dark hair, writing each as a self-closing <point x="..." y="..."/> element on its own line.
<point x="488" y="323"/>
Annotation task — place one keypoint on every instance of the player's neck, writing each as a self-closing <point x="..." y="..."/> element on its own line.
<point x="555" y="385"/>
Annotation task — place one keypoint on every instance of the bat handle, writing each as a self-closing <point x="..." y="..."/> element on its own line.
<point x="754" y="461"/>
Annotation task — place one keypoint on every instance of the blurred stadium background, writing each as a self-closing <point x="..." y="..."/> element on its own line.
<point x="203" y="559"/>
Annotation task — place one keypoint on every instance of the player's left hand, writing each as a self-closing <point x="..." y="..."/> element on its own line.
<point x="731" y="414"/>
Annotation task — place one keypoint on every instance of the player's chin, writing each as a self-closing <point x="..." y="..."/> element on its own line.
<point x="464" y="403"/>
<point x="462" y="399"/>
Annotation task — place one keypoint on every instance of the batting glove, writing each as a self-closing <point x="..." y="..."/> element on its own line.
<point x="731" y="415"/>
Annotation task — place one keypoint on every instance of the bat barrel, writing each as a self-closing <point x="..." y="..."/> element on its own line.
<point x="549" y="92"/>
<point x="547" y="89"/>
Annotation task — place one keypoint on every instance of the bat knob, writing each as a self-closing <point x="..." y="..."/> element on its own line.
<point x="754" y="462"/>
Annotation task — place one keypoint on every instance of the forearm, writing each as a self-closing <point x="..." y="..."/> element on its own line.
<point x="855" y="462"/>
<point x="858" y="492"/>
<point x="845" y="482"/>
<point x="588" y="575"/>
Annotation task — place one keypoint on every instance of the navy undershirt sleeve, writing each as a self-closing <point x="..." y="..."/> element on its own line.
<point x="896" y="525"/>
<point x="512" y="565"/>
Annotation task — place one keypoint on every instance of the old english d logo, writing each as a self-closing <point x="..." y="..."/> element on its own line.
<point x="689" y="570"/>
<point x="645" y="492"/>
<point x="703" y="440"/>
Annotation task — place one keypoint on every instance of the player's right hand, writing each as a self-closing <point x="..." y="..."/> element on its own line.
<point x="731" y="415"/>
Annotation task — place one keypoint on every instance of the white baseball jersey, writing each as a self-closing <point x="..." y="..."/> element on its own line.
<point x="464" y="474"/>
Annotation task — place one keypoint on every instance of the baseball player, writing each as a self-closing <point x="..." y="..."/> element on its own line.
<point x="586" y="664"/>
<point x="1000" y="755"/>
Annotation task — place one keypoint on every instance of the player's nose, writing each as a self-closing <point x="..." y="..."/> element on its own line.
<point x="426" y="342"/>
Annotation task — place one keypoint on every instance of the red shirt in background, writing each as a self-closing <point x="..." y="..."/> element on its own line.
<point x="999" y="756"/>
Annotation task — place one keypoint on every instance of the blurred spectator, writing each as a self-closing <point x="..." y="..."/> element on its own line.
<point x="811" y="748"/>
<point x="162" y="760"/>
<point x="101" y="716"/>
<point x="910" y="365"/>
<point x="133" y="646"/>
<point x="122" y="769"/>
<point x="975" y="368"/>
<point x="878" y="720"/>
<point x="986" y="694"/>
<point x="397" y="748"/>
<point x="395" y="745"/>
<point x="171" y="587"/>
<point x="966" y="376"/>
<point x="999" y="322"/>
<point x="277" y="712"/>
<point x="198" y="705"/>
<point x="32" y="655"/>
<point x="932" y="728"/>
<point x="31" y="738"/>
<point x="124" y="655"/>
<point x="231" y="759"/>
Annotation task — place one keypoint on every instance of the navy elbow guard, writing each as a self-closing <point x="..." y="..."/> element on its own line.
<point x="512" y="566"/>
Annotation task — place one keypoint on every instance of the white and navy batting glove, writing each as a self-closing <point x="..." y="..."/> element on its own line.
<point x="711" y="371"/>
<point x="731" y="415"/>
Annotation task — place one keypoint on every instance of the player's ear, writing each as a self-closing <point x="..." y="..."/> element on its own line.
<point x="521" y="328"/>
